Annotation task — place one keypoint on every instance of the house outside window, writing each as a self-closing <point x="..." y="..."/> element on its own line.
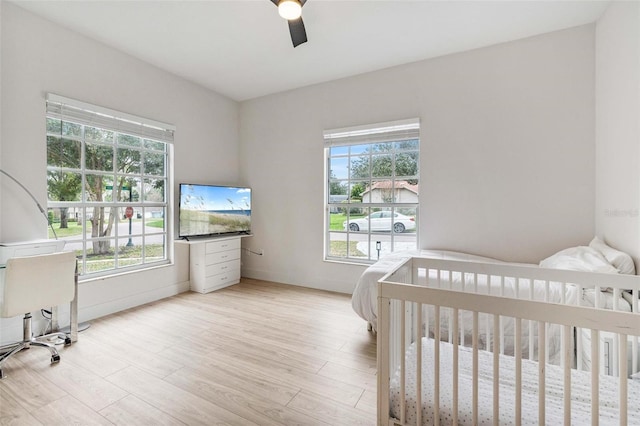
<point x="372" y="190"/>
<point x="108" y="186"/>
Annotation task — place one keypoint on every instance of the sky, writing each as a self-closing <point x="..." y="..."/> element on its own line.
<point x="206" y="197"/>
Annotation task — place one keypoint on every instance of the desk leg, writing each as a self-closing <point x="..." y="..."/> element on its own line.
<point x="73" y="308"/>
<point x="73" y="323"/>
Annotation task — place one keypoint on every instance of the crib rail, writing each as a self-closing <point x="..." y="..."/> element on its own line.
<point x="525" y="282"/>
<point x="541" y="297"/>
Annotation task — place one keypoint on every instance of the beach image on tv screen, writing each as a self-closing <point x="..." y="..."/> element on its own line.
<point x="208" y="210"/>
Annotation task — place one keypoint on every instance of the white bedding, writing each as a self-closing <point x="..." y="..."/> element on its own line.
<point x="364" y="298"/>
<point x="580" y="380"/>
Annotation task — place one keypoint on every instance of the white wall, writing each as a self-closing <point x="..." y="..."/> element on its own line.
<point x="618" y="127"/>
<point x="39" y="57"/>
<point x="507" y="154"/>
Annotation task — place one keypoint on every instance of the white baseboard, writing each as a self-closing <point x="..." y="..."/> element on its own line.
<point x="88" y="313"/>
<point x="11" y="328"/>
<point x="320" y="284"/>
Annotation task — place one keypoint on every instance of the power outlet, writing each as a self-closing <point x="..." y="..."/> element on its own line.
<point x="261" y="252"/>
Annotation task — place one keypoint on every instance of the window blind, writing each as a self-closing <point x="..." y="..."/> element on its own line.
<point x="92" y="115"/>
<point x="374" y="133"/>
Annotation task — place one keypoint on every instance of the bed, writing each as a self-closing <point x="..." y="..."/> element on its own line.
<point x="430" y="374"/>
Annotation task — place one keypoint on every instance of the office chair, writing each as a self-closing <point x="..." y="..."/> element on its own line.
<point x="32" y="283"/>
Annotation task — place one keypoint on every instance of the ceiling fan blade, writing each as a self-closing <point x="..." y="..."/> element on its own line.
<point x="298" y="33"/>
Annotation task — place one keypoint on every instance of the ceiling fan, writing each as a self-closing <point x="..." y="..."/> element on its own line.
<point x="291" y="10"/>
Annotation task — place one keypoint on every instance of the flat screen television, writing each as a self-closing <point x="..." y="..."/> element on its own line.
<point x="208" y="210"/>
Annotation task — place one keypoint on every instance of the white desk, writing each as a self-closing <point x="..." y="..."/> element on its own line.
<point x="32" y="248"/>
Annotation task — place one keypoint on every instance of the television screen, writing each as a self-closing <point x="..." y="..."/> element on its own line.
<point x="214" y="210"/>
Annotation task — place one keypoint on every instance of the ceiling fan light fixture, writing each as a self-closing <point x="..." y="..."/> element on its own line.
<point x="290" y="9"/>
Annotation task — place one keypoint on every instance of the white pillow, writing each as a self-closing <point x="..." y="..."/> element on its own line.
<point x="579" y="258"/>
<point x="621" y="260"/>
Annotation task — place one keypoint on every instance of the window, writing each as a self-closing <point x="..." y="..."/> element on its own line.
<point x="372" y="187"/>
<point x="107" y="184"/>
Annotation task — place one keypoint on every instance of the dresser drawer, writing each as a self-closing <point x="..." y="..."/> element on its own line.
<point x="215" y="282"/>
<point x="222" y="268"/>
<point x="222" y="245"/>
<point x="221" y="256"/>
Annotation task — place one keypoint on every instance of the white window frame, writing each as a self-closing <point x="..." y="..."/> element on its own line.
<point x="120" y="123"/>
<point x="395" y="131"/>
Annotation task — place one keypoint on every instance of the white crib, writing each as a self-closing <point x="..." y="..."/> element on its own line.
<point x="506" y="356"/>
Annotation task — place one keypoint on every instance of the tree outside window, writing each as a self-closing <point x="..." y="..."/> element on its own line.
<point x="373" y="191"/>
<point x="93" y="175"/>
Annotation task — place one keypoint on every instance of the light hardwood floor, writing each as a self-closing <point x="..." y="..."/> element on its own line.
<point x="254" y="353"/>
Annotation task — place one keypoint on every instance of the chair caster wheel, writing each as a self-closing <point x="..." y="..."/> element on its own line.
<point x="55" y="359"/>
<point x="67" y="341"/>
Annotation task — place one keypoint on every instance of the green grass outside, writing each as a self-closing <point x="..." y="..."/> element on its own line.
<point x="151" y="250"/>
<point x="126" y="256"/>
<point x="339" y="249"/>
<point x="75" y="228"/>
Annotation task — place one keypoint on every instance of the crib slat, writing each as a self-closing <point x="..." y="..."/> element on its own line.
<point x="622" y="362"/>
<point x="486" y="319"/>
<point x="403" y="345"/>
<point x="454" y="416"/>
<point x="496" y="370"/>
<point x="541" y="373"/>
<point x="418" y="328"/>
<point x="595" y="382"/>
<point x="531" y="339"/>
<point x="383" y="356"/>
<point x="634" y="353"/>
<point x="566" y="363"/>
<point x="518" y="353"/>
<point x="436" y="366"/>
<point x="501" y="321"/>
<point x="546" y="299"/>
<point x="462" y="328"/>
<point x="502" y="335"/>
<point x="475" y="367"/>
<point x="546" y="290"/>
<point x="635" y="341"/>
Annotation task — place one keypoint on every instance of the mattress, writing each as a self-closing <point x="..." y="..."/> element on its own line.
<point x="364" y="299"/>
<point x="580" y="394"/>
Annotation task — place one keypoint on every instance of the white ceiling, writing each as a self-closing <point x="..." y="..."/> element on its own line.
<point x="242" y="48"/>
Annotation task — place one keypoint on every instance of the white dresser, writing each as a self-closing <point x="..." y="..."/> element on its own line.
<point x="214" y="263"/>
